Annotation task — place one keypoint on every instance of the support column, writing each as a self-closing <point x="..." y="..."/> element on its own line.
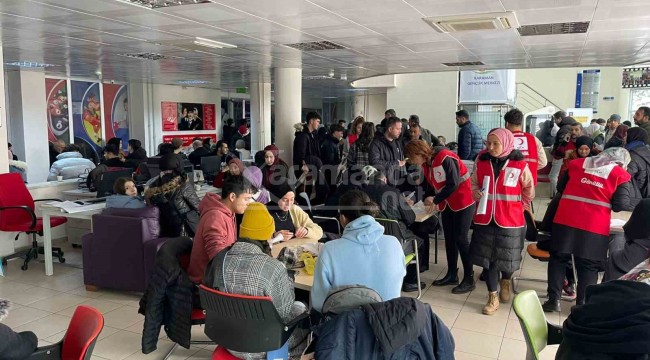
<point x="141" y="116"/>
<point x="4" y="159"/>
<point x="260" y="115"/>
<point x="26" y="108"/>
<point x="288" y="107"/>
<point x="359" y="106"/>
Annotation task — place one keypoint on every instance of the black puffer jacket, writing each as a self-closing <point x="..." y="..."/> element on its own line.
<point x="178" y="204"/>
<point x="384" y="155"/>
<point x="393" y="206"/>
<point x="168" y="299"/>
<point x="402" y="328"/>
<point x="639" y="168"/>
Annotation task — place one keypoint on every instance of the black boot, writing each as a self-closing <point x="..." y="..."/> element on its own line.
<point x="465" y="286"/>
<point x="552" y="305"/>
<point x="450" y="279"/>
<point x="406" y="287"/>
<point x="483" y="276"/>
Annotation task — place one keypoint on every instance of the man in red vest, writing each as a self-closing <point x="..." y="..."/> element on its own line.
<point x="528" y="144"/>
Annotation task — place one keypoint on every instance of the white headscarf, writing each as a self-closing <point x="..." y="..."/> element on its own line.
<point x="613" y="155"/>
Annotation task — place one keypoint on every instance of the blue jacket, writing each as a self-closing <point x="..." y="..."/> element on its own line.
<point x="362" y="256"/>
<point x="470" y="141"/>
<point x="402" y="328"/>
<point x="125" y="202"/>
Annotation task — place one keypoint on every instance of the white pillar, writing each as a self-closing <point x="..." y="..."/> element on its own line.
<point x="359" y="106"/>
<point x="260" y="115"/>
<point x="27" y="110"/>
<point x="141" y="116"/>
<point x="4" y="159"/>
<point x="288" y="107"/>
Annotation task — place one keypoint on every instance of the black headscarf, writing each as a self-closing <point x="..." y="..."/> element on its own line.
<point x="584" y="140"/>
<point x="637" y="134"/>
<point x="171" y="162"/>
<point x="638" y="226"/>
<point x="279" y="190"/>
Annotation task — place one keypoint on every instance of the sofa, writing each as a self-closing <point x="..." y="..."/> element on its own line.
<point x="121" y="251"/>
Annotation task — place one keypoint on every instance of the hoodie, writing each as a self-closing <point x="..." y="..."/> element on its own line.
<point x="362" y="256"/>
<point x="217" y="230"/>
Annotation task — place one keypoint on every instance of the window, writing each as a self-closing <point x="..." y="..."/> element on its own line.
<point x="638" y="98"/>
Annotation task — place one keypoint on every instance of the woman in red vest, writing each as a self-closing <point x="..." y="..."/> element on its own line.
<point x="448" y="176"/>
<point x="591" y="189"/>
<point x="501" y="176"/>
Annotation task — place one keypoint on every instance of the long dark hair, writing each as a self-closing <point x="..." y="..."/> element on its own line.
<point x="366" y="137"/>
<point x="355" y="204"/>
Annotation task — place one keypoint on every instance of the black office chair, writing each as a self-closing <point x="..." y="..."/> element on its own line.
<point x="391" y="227"/>
<point x="210" y="165"/>
<point x="245" y="323"/>
<point x="107" y="180"/>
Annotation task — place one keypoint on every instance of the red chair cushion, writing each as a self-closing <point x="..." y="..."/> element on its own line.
<point x="220" y="353"/>
<point x="85" y="326"/>
<point x="25" y="226"/>
<point x="197" y="314"/>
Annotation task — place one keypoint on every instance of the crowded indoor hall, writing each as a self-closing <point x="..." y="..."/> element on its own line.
<point x="384" y="179"/>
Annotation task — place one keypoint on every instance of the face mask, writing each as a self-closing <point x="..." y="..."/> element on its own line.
<point x="602" y="127"/>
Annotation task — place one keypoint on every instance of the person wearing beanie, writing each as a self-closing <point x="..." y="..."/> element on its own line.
<point x="254" y="175"/>
<point x="243" y="133"/>
<point x="639" y="168"/>
<point x="176" y="198"/>
<point x="247" y="268"/>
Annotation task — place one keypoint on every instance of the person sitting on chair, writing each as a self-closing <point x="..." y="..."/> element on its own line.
<point x="290" y="220"/>
<point x="126" y="195"/>
<point x="637" y="243"/>
<point x="247" y="268"/>
<point x="362" y="256"/>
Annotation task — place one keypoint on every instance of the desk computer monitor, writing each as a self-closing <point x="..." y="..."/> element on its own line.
<point x="210" y="165"/>
<point x="107" y="180"/>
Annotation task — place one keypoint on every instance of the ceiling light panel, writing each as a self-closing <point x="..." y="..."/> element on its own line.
<point x="155" y="4"/>
<point x="554" y="29"/>
<point x="29" y="64"/>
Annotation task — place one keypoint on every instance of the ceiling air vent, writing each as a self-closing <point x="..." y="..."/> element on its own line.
<point x="316" y="46"/>
<point x="554" y="29"/>
<point x="463" y="63"/>
<point x="473" y="22"/>
<point x="149" y="56"/>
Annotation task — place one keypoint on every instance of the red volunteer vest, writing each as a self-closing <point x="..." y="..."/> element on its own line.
<point x="504" y="203"/>
<point x="525" y="143"/>
<point x="586" y="203"/>
<point x="435" y="175"/>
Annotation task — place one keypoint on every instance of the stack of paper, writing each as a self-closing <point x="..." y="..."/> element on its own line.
<point x="72" y="207"/>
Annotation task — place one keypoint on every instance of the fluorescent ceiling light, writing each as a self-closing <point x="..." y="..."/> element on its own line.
<point x="212" y="43"/>
<point x="191" y="82"/>
<point x="29" y="64"/>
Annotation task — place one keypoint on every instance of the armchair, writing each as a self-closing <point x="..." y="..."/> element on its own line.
<point x="120" y="253"/>
<point x="17" y="214"/>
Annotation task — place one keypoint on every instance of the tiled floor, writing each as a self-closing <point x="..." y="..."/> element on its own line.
<point x="45" y="304"/>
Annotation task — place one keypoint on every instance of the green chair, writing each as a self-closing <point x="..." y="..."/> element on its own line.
<point x="391" y="227"/>
<point x="537" y="331"/>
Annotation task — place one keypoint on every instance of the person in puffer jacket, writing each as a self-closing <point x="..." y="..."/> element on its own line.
<point x="70" y="164"/>
<point x="174" y="195"/>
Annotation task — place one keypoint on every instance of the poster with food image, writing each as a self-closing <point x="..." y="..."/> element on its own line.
<point x="116" y="113"/>
<point x="58" y="118"/>
<point x="87" y="113"/>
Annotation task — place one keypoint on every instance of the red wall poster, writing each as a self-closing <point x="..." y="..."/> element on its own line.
<point x="188" y="116"/>
<point x="116" y="113"/>
<point x="188" y="137"/>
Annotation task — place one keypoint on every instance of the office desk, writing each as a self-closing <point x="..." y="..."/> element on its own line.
<point x="302" y="280"/>
<point x="623" y="215"/>
<point x="47" y="212"/>
<point x="79" y="194"/>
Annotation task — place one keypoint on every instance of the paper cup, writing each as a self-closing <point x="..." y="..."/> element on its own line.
<point x="59" y="178"/>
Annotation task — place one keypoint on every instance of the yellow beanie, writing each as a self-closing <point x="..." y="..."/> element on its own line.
<point x="257" y="223"/>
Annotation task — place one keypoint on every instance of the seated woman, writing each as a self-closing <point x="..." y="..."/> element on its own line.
<point x="235" y="167"/>
<point x="274" y="168"/>
<point x="362" y="256"/>
<point x="247" y="268"/>
<point x="174" y="195"/>
<point x="254" y="175"/>
<point x="126" y="195"/>
<point x="637" y="243"/>
<point x="290" y="220"/>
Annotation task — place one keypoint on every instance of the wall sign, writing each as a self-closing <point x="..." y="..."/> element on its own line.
<point x="188" y="116"/>
<point x="487" y="87"/>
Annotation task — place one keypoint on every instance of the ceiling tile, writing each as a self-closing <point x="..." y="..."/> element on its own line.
<point x="543" y="4"/>
<point x="454" y="7"/>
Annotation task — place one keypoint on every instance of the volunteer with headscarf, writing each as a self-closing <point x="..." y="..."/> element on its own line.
<point x="447" y="175"/>
<point x="274" y="168"/>
<point x="584" y="148"/>
<point x="498" y="237"/>
<point x="591" y="189"/>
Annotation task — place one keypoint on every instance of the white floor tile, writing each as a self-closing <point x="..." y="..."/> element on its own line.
<point x="448" y="316"/>
<point x="103" y="306"/>
<point x="122" y="318"/>
<point x="47" y="326"/>
<point x="202" y="355"/>
<point x="513" y="330"/>
<point x="118" y="346"/>
<point x="31" y="295"/>
<point x="477" y="343"/>
<point x="459" y="355"/>
<point x="490" y="325"/>
<point x="23" y="315"/>
<point x="512" y="350"/>
<point x="58" y="302"/>
<point x="446" y="300"/>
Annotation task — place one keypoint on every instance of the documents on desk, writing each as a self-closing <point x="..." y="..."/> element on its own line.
<point x="72" y="207"/>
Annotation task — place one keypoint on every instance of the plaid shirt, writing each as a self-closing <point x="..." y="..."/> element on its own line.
<point x="249" y="271"/>
<point x="357" y="158"/>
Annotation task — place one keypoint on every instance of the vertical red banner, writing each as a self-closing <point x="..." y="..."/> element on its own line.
<point x="209" y="118"/>
<point x="169" y="116"/>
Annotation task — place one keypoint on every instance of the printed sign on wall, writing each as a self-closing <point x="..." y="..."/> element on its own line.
<point x="188" y="116"/>
<point x="116" y="113"/>
<point x="636" y="77"/>
<point x="87" y="115"/>
<point x="58" y="118"/>
<point x="189" y="137"/>
<point x="487" y="87"/>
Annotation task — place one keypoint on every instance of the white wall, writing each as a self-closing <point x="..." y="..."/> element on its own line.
<point x="431" y="96"/>
<point x="559" y="86"/>
<point x="376" y="106"/>
<point x="4" y="160"/>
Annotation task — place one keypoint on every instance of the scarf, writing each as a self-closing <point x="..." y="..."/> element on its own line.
<point x="506" y="139"/>
<point x="614" y="155"/>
